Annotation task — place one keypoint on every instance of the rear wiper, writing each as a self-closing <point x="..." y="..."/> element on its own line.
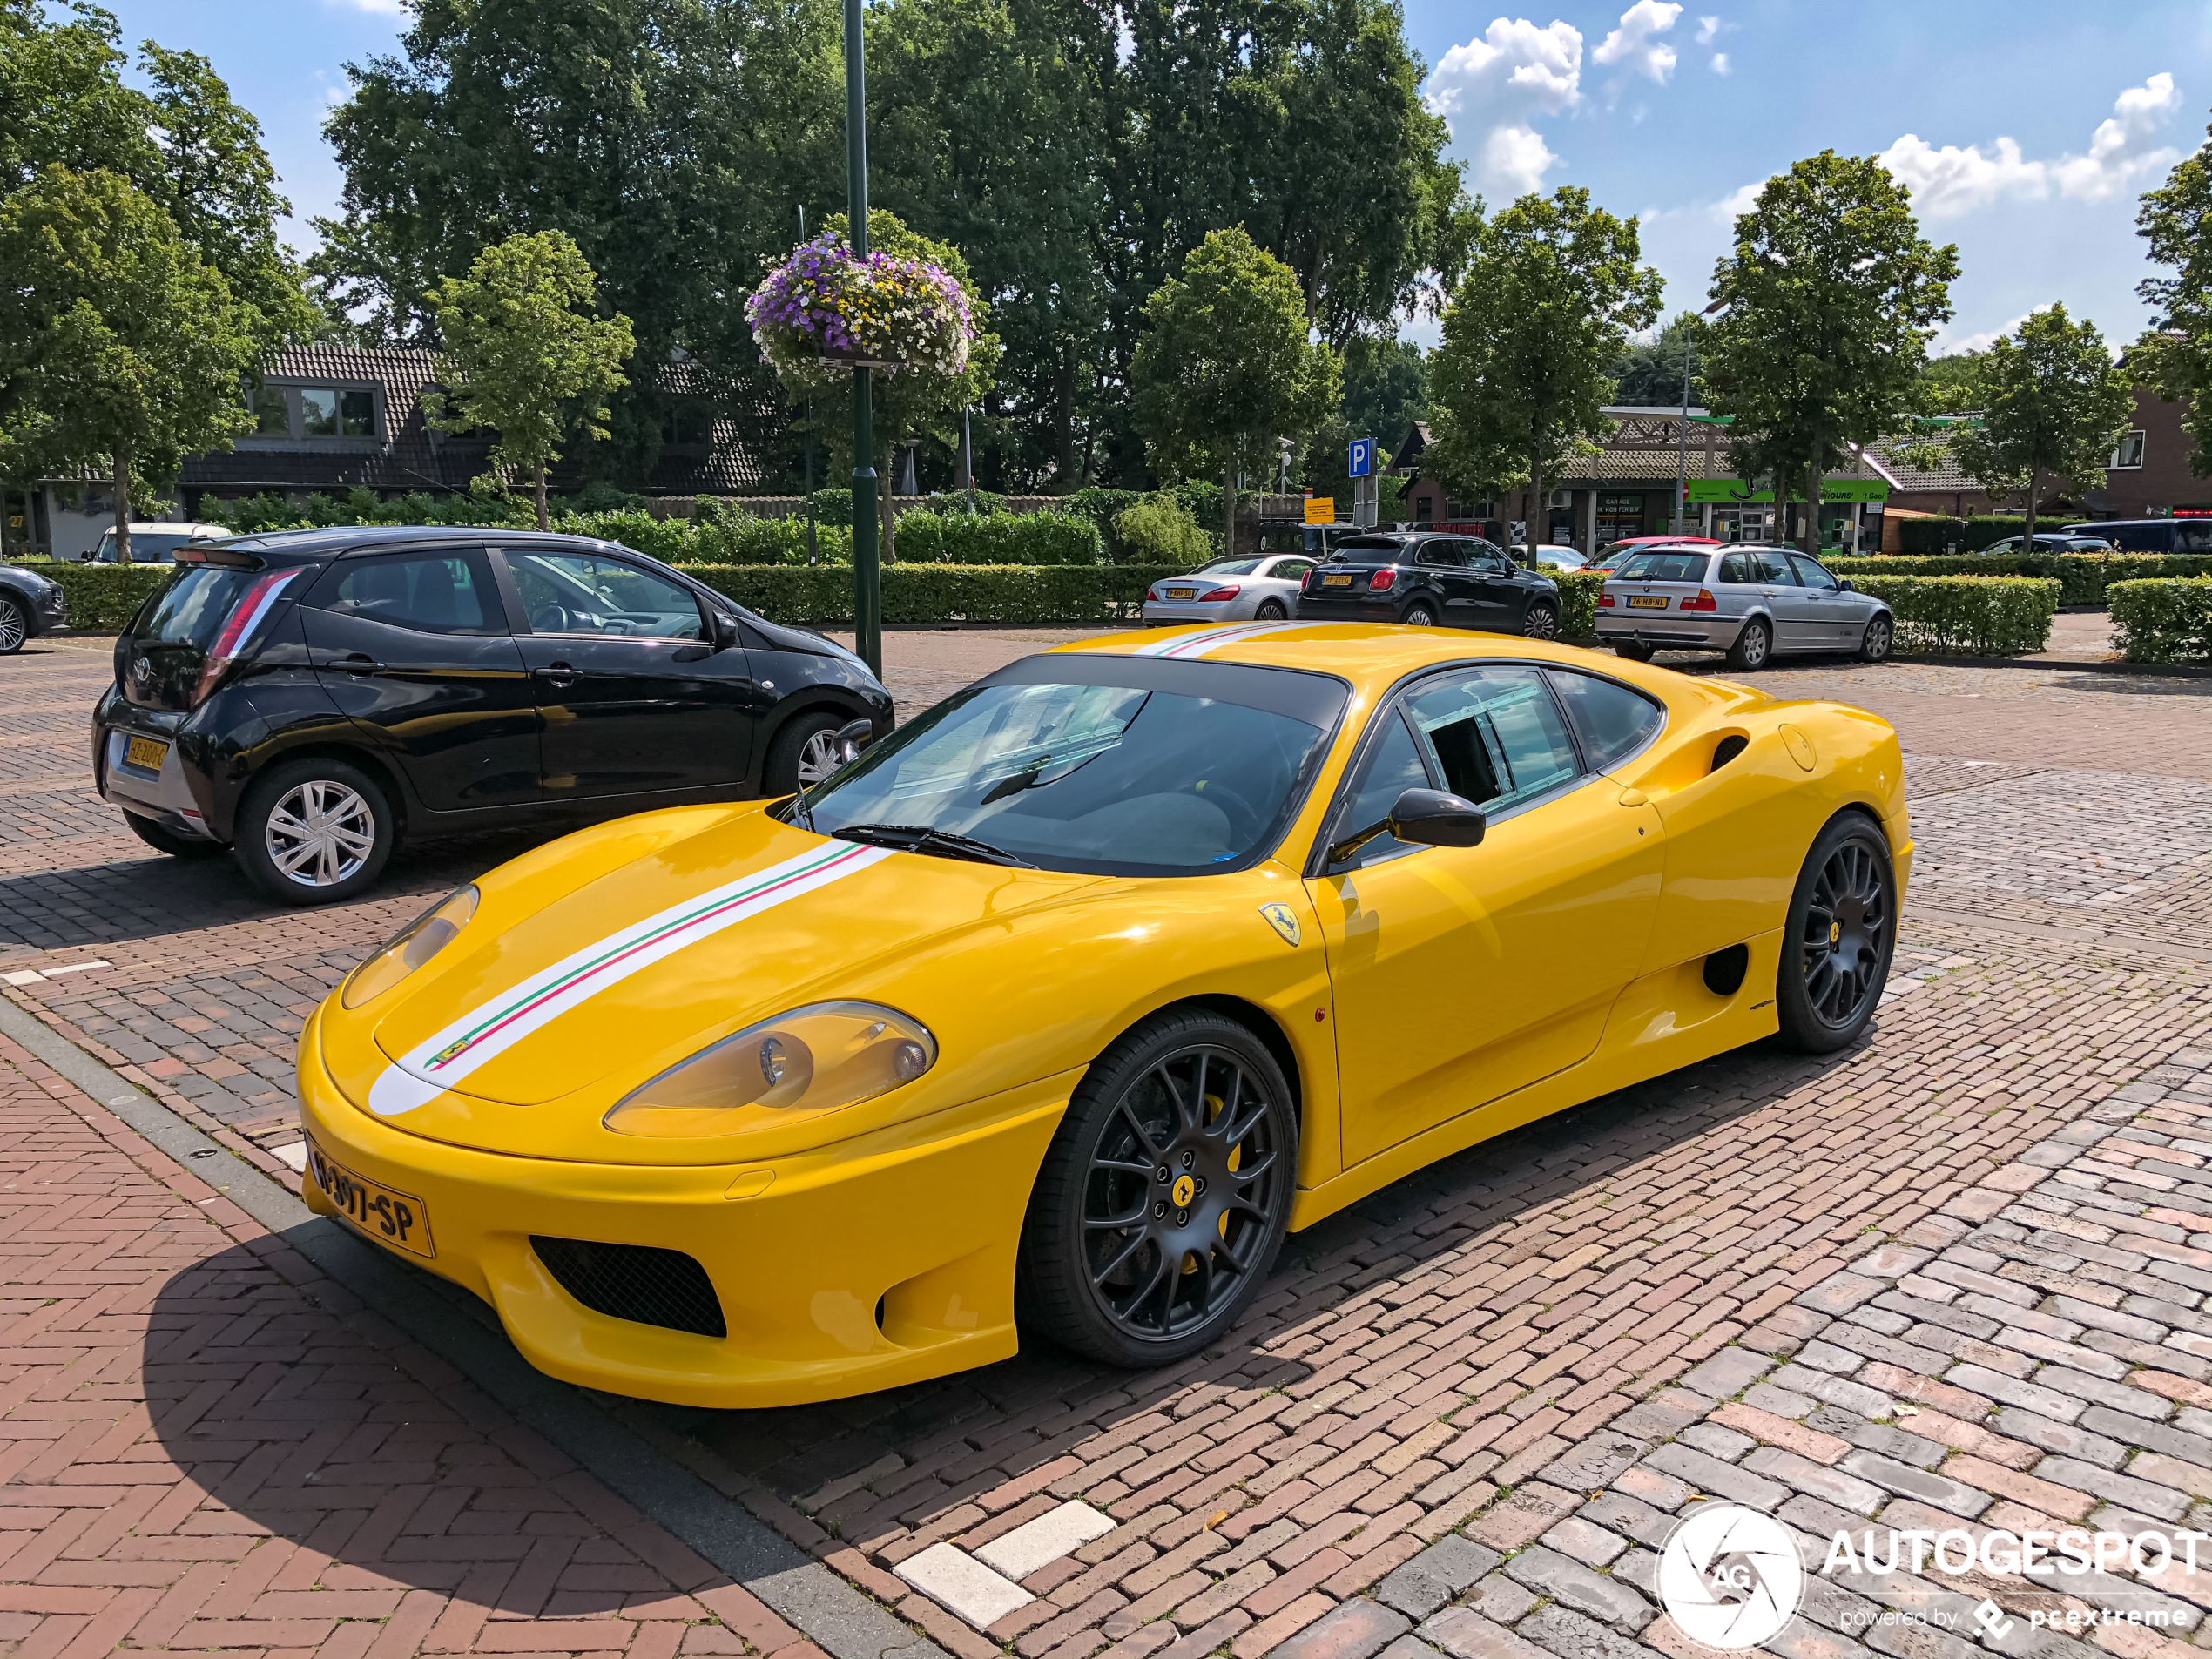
<point x="912" y="838"/>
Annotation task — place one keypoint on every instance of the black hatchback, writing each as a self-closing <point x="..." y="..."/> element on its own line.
<point x="306" y="699"/>
<point x="1430" y="581"/>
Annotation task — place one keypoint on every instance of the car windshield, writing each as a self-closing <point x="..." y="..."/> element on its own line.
<point x="1227" y="567"/>
<point x="1118" y="767"/>
<point x="147" y="547"/>
<point x="1662" y="567"/>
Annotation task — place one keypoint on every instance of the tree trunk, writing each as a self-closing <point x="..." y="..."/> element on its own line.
<point x="1229" y="506"/>
<point x="1064" y="423"/>
<point x="122" y="510"/>
<point x="545" y="522"/>
<point x="2034" y="489"/>
<point x="887" y="536"/>
<point x="1538" y="521"/>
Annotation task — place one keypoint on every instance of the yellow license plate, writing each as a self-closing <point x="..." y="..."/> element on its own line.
<point x="1647" y="601"/>
<point x="1336" y="581"/>
<point x="387" y="1217"/>
<point x="149" y="752"/>
<point x="1183" y="593"/>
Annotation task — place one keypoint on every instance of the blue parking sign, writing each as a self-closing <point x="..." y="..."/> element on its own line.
<point x="1362" y="457"/>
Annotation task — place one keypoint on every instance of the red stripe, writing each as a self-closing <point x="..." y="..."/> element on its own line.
<point x="549" y="995"/>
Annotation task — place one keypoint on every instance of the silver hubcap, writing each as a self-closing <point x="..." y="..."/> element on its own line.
<point x="1754" y="645"/>
<point x="1542" y="623"/>
<point x="320" y="833"/>
<point x="11" y="629"/>
<point x="1878" y="639"/>
<point x="821" y="756"/>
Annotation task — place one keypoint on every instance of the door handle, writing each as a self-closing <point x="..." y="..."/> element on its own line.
<point x="358" y="664"/>
<point x="560" y="673"/>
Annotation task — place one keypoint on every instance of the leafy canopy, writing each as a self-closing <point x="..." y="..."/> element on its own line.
<point x="528" y="355"/>
<point x="2175" y="356"/>
<point x="2052" y="405"/>
<point x="1832" y="295"/>
<point x="1552" y="294"/>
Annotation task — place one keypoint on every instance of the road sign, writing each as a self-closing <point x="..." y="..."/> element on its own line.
<point x="1320" y="509"/>
<point x="1362" y="457"/>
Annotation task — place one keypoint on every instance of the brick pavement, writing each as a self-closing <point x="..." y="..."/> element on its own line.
<point x="1426" y="1366"/>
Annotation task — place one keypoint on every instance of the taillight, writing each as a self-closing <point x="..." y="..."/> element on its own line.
<point x="1704" y="600"/>
<point x="1218" y="593"/>
<point x="1382" y="581"/>
<point x="253" y="604"/>
<point x="1605" y="602"/>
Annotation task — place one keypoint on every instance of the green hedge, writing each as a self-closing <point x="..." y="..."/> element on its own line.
<point x="102" y="597"/>
<point x="938" y="593"/>
<point x="2163" y="622"/>
<point x="927" y="537"/>
<point x="2082" y="577"/>
<point x="1971" y="616"/>
<point x="1578" y="592"/>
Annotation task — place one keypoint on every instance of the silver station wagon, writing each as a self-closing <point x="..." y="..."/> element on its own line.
<point x="1753" y="603"/>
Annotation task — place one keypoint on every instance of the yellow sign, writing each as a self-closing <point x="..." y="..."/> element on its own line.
<point x="1320" y="509"/>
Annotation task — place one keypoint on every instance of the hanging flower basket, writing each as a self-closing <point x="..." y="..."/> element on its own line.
<point x="824" y="312"/>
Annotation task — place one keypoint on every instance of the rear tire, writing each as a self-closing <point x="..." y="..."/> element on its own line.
<point x="1199" y="1099"/>
<point x="1874" y="647"/>
<point x="1837" y="943"/>
<point x="1270" y="611"/>
<point x="315" y="831"/>
<point x="1541" y="621"/>
<point x="1419" y="614"/>
<point x="163" y="840"/>
<point x="804" y="753"/>
<point x="1634" y="653"/>
<point x="1753" y="646"/>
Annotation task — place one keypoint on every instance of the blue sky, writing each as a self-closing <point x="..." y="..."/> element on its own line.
<point x="2027" y="129"/>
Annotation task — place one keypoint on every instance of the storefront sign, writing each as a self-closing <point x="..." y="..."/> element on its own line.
<point x="1734" y="492"/>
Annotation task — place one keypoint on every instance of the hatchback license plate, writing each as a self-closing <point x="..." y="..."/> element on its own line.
<point x="1183" y="593"/>
<point x="387" y="1217"/>
<point x="1647" y="601"/>
<point x="148" y="752"/>
<point x="1336" y="581"/>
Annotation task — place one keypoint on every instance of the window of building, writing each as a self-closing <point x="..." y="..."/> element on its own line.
<point x="2128" y="454"/>
<point x="271" y="417"/>
<point x="330" y="413"/>
<point x="689" y="424"/>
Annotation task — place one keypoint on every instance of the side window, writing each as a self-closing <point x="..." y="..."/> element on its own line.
<point x="1773" y="568"/>
<point x="583" y="593"/>
<point x="445" y="592"/>
<point x="1452" y="554"/>
<point x="2142" y="538"/>
<point x="2193" y="537"/>
<point x="1496" y="733"/>
<point x="1393" y="766"/>
<point x="1292" y="570"/>
<point x="1612" y="721"/>
<point x="1813" y="575"/>
<point x="1736" y="568"/>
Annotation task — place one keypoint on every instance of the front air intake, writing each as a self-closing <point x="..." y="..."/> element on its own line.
<point x="635" y="1282"/>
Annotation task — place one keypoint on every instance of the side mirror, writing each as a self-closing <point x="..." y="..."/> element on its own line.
<point x="852" y="737"/>
<point x="1424" y="817"/>
<point x="1843" y="584"/>
<point x="725" y="629"/>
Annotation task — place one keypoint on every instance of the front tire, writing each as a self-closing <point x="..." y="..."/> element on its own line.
<point x="804" y="753"/>
<point x="15" y="627"/>
<point x="1837" y="943"/>
<point x="1753" y="646"/>
<point x="314" y="832"/>
<point x="1874" y="645"/>
<point x="1164" y="1195"/>
<point x="1542" y="621"/>
<point x="164" y="839"/>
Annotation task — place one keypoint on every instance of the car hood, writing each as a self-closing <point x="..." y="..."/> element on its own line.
<point x="595" y="964"/>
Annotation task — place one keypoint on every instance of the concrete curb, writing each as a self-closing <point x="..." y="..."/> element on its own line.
<point x="816" y="1601"/>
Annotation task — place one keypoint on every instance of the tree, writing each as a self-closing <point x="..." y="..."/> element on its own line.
<point x="120" y="346"/>
<point x="1948" y="383"/>
<point x="1386" y="389"/>
<point x="185" y="145"/>
<point x="1831" y="296"/>
<point x="1650" y="373"/>
<point x="2175" y="356"/>
<point x="2052" y="406"/>
<point x="1552" y="292"/>
<point x="528" y="356"/>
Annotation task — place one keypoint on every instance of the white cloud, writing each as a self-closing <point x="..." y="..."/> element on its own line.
<point x="1707" y="27"/>
<point x="1637" y="41"/>
<point x="1720" y="64"/>
<point x="1501" y="81"/>
<point x="1952" y="180"/>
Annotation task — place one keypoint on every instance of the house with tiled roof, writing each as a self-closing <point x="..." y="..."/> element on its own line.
<point x="333" y="418"/>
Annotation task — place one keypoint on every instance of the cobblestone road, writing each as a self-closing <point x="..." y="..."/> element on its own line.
<point x="1957" y="1276"/>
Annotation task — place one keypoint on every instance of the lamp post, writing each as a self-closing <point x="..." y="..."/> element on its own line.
<point x="867" y="571"/>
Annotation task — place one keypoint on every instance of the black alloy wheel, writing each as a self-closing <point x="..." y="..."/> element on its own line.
<point x="1419" y="614"/>
<point x="1165" y="1194"/>
<point x="1874" y="647"/>
<point x="1842" y="929"/>
<point x="1753" y="645"/>
<point x="1542" y="621"/>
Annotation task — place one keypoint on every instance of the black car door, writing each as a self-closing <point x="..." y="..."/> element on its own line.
<point x="1501" y="590"/>
<point x="632" y="694"/>
<point x="413" y="647"/>
<point x="1442" y="565"/>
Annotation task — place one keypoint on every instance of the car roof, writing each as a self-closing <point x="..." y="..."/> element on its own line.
<point x="330" y="541"/>
<point x="173" y="527"/>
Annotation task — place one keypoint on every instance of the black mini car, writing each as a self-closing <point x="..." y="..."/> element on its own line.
<point x="1424" y="580"/>
<point x="308" y="698"/>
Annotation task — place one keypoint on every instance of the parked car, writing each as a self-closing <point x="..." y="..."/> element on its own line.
<point x="1551" y="558"/>
<point x="2183" y="533"/>
<point x="31" y="603"/>
<point x="2066" y="542"/>
<point x="1062" y="1004"/>
<point x="308" y="698"/>
<point x="156" y="542"/>
<point x="1430" y="581"/>
<point x="1751" y="602"/>
<point x="1262" y="589"/>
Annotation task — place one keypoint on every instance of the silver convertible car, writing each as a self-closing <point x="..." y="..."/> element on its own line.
<point x="1262" y="589"/>
<point x="1751" y="602"/>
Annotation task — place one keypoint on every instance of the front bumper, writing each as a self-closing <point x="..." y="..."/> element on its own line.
<point x="883" y="1260"/>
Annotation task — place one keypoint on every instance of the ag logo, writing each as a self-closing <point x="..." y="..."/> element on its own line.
<point x="1282" y="920"/>
<point x="1730" y="1577"/>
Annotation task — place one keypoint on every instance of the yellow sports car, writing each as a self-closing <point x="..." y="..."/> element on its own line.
<point x="1062" y="1003"/>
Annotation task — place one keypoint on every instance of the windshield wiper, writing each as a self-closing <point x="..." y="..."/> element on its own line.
<point x="914" y="838"/>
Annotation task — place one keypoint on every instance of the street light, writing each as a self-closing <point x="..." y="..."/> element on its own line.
<point x="867" y="571"/>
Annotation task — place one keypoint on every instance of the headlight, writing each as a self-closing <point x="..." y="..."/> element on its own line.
<point x="416" y="944"/>
<point x="816" y="1059"/>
